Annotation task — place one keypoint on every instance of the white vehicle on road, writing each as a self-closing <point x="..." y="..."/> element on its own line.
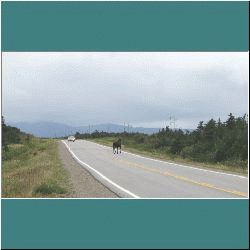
<point x="71" y="138"/>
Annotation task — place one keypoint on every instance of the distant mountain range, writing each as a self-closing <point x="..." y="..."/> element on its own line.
<point x="51" y="129"/>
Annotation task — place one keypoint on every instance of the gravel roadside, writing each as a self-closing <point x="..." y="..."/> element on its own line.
<point x="84" y="184"/>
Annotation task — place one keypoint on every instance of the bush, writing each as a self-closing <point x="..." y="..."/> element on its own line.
<point x="220" y="155"/>
<point x="237" y="163"/>
<point x="51" y="187"/>
<point x="187" y="151"/>
<point x="139" y="139"/>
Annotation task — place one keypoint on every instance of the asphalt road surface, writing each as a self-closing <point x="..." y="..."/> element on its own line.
<point x="134" y="176"/>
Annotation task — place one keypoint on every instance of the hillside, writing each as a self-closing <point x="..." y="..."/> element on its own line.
<point x="51" y="129"/>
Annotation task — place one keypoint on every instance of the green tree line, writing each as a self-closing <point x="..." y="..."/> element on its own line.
<point x="211" y="142"/>
<point x="12" y="135"/>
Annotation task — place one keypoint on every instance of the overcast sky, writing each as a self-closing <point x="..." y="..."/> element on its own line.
<point x="142" y="88"/>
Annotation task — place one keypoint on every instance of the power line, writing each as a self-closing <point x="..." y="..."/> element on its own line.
<point x="172" y="122"/>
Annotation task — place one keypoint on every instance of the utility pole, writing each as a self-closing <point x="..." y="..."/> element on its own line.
<point x="172" y="122"/>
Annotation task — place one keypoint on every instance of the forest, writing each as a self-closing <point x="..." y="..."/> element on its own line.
<point x="211" y="142"/>
<point x="10" y="135"/>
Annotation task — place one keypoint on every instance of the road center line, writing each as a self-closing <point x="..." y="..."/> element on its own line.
<point x="182" y="178"/>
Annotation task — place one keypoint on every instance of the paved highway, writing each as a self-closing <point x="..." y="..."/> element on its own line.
<point x="134" y="176"/>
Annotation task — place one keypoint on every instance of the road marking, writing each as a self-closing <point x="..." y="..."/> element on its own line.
<point x="188" y="166"/>
<point x="204" y="184"/>
<point x="176" y="163"/>
<point x="101" y="175"/>
<point x="182" y="178"/>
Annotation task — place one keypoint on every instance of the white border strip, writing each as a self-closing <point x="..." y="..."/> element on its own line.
<point x="240" y="176"/>
<point x="101" y="175"/>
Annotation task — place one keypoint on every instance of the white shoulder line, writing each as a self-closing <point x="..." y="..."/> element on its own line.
<point x="188" y="166"/>
<point x="243" y="177"/>
<point x="101" y="175"/>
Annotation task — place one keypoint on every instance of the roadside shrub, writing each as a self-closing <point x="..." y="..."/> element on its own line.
<point x="139" y="139"/>
<point x="176" y="146"/>
<point x="220" y="155"/>
<point x="187" y="151"/>
<point x="13" y="152"/>
<point x="237" y="163"/>
<point x="49" y="188"/>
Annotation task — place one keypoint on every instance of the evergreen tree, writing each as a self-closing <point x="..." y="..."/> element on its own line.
<point x="230" y="122"/>
<point x="3" y="132"/>
<point x="200" y="127"/>
<point x="210" y="129"/>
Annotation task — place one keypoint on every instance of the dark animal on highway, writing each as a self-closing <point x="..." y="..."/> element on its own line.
<point x="117" y="144"/>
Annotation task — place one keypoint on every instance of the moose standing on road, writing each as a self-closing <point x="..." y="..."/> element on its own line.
<point x="117" y="144"/>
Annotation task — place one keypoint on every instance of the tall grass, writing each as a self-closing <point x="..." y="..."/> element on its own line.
<point x="33" y="169"/>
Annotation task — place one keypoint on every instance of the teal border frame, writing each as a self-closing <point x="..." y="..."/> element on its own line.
<point x="125" y="224"/>
<point x="122" y="223"/>
<point x="125" y="26"/>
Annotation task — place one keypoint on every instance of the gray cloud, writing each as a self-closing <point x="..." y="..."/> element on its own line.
<point x="140" y="88"/>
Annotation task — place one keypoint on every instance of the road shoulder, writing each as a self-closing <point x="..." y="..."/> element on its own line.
<point x="84" y="184"/>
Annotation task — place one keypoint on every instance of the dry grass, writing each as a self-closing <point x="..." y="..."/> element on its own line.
<point x="34" y="170"/>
